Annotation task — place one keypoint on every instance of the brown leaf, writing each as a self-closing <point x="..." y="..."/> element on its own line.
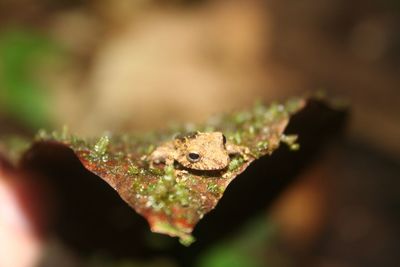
<point x="173" y="199"/>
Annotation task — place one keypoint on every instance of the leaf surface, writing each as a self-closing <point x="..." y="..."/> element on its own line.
<point x="174" y="199"/>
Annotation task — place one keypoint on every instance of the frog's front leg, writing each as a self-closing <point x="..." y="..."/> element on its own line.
<point x="233" y="149"/>
<point x="162" y="154"/>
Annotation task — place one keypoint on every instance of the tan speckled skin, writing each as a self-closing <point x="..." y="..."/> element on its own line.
<point x="213" y="152"/>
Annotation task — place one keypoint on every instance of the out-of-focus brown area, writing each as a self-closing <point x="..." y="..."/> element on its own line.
<point x="183" y="60"/>
<point x="137" y="65"/>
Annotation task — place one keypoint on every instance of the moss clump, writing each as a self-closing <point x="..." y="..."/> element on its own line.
<point x="100" y="148"/>
<point x="291" y="141"/>
<point x="184" y="238"/>
<point x="167" y="191"/>
<point x="215" y="188"/>
<point x="235" y="163"/>
<point x="99" y="151"/>
<point x="155" y="171"/>
<point x="133" y="170"/>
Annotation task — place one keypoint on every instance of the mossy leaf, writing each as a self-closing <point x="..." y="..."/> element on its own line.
<point x="171" y="198"/>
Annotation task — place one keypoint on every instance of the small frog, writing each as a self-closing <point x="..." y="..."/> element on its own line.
<point x="198" y="151"/>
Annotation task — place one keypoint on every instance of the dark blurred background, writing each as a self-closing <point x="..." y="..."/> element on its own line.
<point x="133" y="65"/>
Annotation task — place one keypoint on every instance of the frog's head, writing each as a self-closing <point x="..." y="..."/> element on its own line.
<point x="202" y="151"/>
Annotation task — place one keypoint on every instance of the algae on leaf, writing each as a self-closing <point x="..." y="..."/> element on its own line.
<point x="172" y="198"/>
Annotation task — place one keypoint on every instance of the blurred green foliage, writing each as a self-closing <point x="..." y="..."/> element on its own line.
<point x="22" y="96"/>
<point x="254" y="246"/>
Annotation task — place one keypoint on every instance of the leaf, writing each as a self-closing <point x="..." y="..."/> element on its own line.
<point x="172" y="199"/>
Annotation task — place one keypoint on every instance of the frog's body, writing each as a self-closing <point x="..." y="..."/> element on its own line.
<point x="198" y="151"/>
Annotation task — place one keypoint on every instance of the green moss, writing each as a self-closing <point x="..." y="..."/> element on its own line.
<point x="235" y="163"/>
<point x="294" y="147"/>
<point x="187" y="240"/>
<point x="181" y="195"/>
<point x="164" y="227"/>
<point x="133" y="170"/>
<point x="262" y="145"/>
<point x="99" y="151"/>
<point x="169" y="173"/>
<point x="100" y="148"/>
<point x="260" y="148"/>
<point x="214" y="188"/>
<point x="291" y="141"/>
<point x="137" y="186"/>
<point x="156" y="171"/>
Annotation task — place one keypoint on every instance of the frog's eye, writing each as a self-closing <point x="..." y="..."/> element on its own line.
<point x="193" y="156"/>
<point x="224" y="139"/>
